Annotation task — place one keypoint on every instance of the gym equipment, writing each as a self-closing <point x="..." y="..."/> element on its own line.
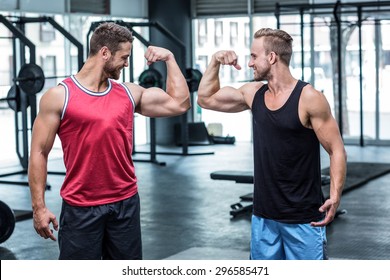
<point x="20" y="102"/>
<point x="246" y="177"/>
<point x="197" y="134"/>
<point x="341" y="15"/>
<point x="223" y="140"/>
<point x="7" y="222"/>
<point x="30" y="80"/>
<point x="13" y="98"/>
<point x="193" y="77"/>
<point x="8" y="218"/>
<point x="151" y="78"/>
<point x="215" y="131"/>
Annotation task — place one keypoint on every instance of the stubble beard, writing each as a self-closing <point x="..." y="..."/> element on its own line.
<point x="261" y="76"/>
<point x="112" y="72"/>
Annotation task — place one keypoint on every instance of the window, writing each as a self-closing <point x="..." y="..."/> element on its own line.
<point x="233" y="33"/>
<point x="201" y="63"/>
<point x="202" y="32"/>
<point x="74" y="64"/>
<point x="218" y="33"/>
<point x="49" y="68"/>
<point x="247" y="38"/>
<point x="46" y="32"/>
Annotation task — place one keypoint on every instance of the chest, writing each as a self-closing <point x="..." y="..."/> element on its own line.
<point x="111" y="111"/>
<point x="275" y="102"/>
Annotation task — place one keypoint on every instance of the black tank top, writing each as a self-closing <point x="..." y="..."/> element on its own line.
<point x="287" y="172"/>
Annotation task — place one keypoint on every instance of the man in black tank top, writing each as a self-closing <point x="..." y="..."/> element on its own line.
<point x="291" y="120"/>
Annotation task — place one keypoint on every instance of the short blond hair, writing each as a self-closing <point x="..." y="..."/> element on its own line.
<point x="278" y="41"/>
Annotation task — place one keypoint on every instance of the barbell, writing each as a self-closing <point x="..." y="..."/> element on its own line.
<point x="30" y="80"/>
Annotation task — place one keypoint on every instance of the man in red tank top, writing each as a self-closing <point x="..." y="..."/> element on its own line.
<point x="93" y="116"/>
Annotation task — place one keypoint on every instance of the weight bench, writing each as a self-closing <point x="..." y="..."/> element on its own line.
<point x="246" y="177"/>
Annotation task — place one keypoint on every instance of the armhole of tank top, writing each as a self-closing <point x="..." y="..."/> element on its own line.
<point x="129" y="94"/>
<point x="66" y="99"/>
<point x="257" y="94"/>
<point x="300" y="85"/>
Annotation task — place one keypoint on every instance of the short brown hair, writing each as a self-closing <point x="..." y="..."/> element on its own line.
<point x="109" y="34"/>
<point x="278" y="41"/>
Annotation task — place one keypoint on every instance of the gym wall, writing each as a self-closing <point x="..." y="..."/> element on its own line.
<point x="125" y="8"/>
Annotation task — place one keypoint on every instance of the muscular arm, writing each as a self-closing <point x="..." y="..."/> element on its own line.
<point x="327" y="131"/>
<point x="155" y="102"/>
<point x="212" y="96"/>
<point x="44" y="131"/>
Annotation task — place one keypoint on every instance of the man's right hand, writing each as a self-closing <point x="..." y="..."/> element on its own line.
<point x="227" y="58"/>
<point x="42" y="218"/>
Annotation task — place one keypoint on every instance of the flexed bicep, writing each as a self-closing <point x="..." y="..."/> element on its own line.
<point x="155" y="102"/>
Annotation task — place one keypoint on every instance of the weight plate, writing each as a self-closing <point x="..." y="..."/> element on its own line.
<point x="31" y="78"/>
<point x="193" y="77"/>
<point x="7" y="222"/>
<point x="150" y="78"/>
<point x="13" y="98"/>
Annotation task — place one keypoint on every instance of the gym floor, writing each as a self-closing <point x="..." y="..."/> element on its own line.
<point x="186" y="215"/>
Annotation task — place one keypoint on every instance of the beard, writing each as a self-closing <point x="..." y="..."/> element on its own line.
<point x="111" y="71"/>
<point x="263" y="75"/>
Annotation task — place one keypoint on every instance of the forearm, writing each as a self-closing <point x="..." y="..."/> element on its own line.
<point x="210" y="83"/>
<point x="37" y="176"/>
<point x="337" y="175"/>
<point x="176" y="84"/>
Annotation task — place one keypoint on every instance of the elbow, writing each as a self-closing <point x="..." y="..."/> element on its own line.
<point x="204" y="98"/>
<point x="202" y="102"/>
<point x="184" y="106"/>
<point x="205" y="104"/>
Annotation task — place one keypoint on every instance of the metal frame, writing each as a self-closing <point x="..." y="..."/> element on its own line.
<point x="22" y="149"/>
<point x="337" y="9"/>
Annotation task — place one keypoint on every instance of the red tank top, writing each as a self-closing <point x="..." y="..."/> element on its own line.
<point x="96" y="133"/>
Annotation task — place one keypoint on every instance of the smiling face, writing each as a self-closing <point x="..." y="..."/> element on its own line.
<point x="118" y="61"/>
<point x="270" y="47"/>
<point x="259" y="61"/>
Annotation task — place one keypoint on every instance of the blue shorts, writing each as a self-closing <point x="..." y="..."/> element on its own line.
<point x="109" y="231"/>
<point x="273" y="240"/>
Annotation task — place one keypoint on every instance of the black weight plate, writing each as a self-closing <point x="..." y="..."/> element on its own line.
<point x="150" y="78"/>
<point x="7" y="222"/>
<point x="13" y="98"/>
<point x="31" y="78"/>
<point x="193" y="77"/>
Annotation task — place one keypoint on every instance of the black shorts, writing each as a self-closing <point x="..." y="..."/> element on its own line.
<point x="109" y="231"/>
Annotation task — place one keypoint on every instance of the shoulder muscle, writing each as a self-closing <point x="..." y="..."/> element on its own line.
<point x="313" y="106"/>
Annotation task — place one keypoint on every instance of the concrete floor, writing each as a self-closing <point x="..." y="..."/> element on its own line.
<point x="185" y="214"/>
